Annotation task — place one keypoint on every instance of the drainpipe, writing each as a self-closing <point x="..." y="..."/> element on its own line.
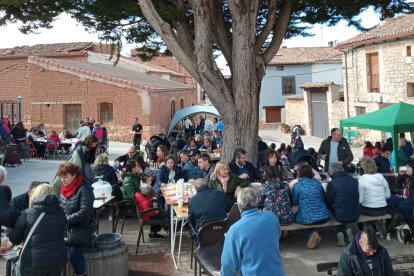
<point x="346" y="84"/>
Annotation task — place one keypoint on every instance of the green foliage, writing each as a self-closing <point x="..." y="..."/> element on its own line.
<point x="284" y="125"/>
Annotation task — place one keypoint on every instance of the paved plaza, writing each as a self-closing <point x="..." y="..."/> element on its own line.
<point x="154" y="256"/>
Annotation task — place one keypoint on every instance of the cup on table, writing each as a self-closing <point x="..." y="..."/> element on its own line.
<point x="180" y="202"/>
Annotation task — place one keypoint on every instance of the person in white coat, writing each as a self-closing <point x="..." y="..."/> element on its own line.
<point x="373" y="190"/>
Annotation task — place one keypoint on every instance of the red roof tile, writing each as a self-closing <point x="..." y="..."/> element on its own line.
<point x="393" y="28"/>
<point x="112" y="73"/>
<point x="306" y="55"/>
<point x="47" y="50"/>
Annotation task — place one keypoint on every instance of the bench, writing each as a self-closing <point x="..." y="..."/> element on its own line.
<point x="331" y="222"/>
<point x="398" y="263"/>
<point x="352" y="135"/>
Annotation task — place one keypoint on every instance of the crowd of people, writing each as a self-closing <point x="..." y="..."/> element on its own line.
<point x="291" y="191"/>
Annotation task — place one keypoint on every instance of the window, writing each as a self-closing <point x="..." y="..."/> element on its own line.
<point x="288" y="85"/>
<point x="373" y="73"/>
<point x="360" y="110"/>
<point x="106" y="113"/>
<point x="410" y="89"/>
<point x="172" y="108"/>
<point x="280" y="67"/>
<point x="408" y="50"/>
<point x="181" y="103"/>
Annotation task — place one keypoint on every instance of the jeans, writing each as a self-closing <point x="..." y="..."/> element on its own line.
<point x="405" y="207"/>
<point x="77" y="260"/>
<point x="163" y="215"/>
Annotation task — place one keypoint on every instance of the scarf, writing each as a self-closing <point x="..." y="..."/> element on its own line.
<point x="223" y="181"/>
<point x="68" y="190"/>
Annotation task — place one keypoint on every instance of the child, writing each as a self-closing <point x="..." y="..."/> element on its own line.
<point x="146" y="181"/>
<point x="144" y="202"/>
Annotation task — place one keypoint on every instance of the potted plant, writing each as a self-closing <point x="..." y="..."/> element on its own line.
<point x="285" y="127"/>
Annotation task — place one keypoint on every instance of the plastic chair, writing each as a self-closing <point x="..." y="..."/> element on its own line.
<point x="142" y="222"/>
<point x="211" y="241"/>
<point x="123" y="210"/>
<point x="233" y="216"/>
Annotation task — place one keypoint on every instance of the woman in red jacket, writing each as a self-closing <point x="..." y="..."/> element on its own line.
<point x="367" y="150"/>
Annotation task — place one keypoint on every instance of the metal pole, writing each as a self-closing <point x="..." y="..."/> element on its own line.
<point x="20" y="107"/>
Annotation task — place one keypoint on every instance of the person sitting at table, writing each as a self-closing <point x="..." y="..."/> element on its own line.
<point x="167" y="174"/>
<point x="121" y="161"/>
<point x="76" y="199"/>
<point x="18" y="133"/>
<point x="162" y="153"/>
<point x="243" y="168"/>
<point x="144" y="202"/>
<point x="309" y="197"/>
<point x="191" y="169"/>
<point x="382" y="160"/>
<point x="84" y="131"/>
<point x="273" y="160"/>
<point x="184" y="158"/>
<point x="191" y="144"/>
<point x="208" y="145"/>
<point x="45" y="253"/>
<point x="41" y="129"/>
<point x="68" y="135"/>
<point x="147" y="181"/>
<point x="199" y="140"/>
<point x="207" y="204"/>
<point x="40" y="146"/>
<point x="205" y="165"/>
<point x="131" y="179"/>
<point x="274" y="196"/>
<point x="217" y="139"/>
<point x="222" y="179"/>
<point x="103" y="171"/>
<point x="21" y="202"/>
<point x="373" y="190"/>
<point x="342" y="198"/>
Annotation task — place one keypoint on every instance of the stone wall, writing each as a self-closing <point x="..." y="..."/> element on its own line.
<point x="295" y="111"/>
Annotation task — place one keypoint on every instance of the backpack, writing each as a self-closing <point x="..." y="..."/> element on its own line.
<point x="99" y="134"/>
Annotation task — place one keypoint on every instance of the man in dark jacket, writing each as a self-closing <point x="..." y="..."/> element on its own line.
<point x="177" y="145"/>
<point x="8" y="216"/>
<point x="207" y="204"/>
<point x="408" y="147"/>
<point x="364" y="256"/>
<point x="157" y="140"/>
<point x="21" y="202"/>
<point x="383" y="160"/>
<point x="342" y="198"/>
<point x="243" y="168"/>
<point x="121" y="161"/>
<point x="335" y="148"/>
<point x="205" y="165"/>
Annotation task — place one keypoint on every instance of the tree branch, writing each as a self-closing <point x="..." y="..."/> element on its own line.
<point x="279" y="31"/>
<point x="268" y="27"/>
<point x="178" y="47"/>
<point x="219" y="31"/>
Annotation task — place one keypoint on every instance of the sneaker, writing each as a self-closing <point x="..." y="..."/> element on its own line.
<point x="349" y="235"/>
<point x="314" y="240"/>
<point x="155" y="236"/>
<point x="341" y="239"/>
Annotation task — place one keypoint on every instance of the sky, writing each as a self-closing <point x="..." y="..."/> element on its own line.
<point x="67" y="29"/>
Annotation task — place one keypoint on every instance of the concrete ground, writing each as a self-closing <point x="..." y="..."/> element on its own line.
<point x="154" y="256"/>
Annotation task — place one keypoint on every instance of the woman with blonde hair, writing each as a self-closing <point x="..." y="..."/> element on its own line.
<point x="222" y="179"/>
<point x="373" y="189"/>
<point x="45" y="251"/>
<point x="102" y="170"/>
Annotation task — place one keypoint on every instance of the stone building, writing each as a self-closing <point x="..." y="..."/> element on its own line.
<point x="62" y="83"/>
<point x="379" y="68"/>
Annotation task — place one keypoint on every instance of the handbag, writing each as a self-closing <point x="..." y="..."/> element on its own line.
<point x="16" y="265"/>
<point x="81" y="236"/>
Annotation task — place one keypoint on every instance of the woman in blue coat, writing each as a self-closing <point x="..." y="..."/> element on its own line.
<point x="309" y="197"/>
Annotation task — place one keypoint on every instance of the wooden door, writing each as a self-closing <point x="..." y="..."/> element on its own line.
<point x="273" y="114"/>
<point x="373" y="73"/>
<point x="320" y="120"/>
<point x="73" y="115"/>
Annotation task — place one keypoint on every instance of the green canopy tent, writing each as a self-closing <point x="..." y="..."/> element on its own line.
<point x="395" y="118"/>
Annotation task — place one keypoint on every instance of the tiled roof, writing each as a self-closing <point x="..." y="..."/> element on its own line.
<point x="110" y="73"/>
<point x="316" y="84"/>
<point x="47" y="50"/>
<point x="149" y="66"/>
<point x="392" y="28"/>
<point x="306" y="55"/>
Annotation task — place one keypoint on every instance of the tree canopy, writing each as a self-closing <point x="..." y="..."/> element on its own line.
<point x="247" y="32"/>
